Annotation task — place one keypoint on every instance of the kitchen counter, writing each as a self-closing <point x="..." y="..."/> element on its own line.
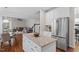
<point x="42" y="44"/>
<point x="41" y="41"/>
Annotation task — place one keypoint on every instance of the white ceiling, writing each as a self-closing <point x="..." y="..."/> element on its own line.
<point x="21" y="12"/>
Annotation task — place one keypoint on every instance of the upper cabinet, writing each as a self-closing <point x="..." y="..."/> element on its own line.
<point x="49" y="19"/>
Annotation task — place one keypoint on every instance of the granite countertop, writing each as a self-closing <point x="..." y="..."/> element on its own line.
<point x="41" y="41"/>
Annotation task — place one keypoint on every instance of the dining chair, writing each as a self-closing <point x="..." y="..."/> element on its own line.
<point x="5" y="37"/>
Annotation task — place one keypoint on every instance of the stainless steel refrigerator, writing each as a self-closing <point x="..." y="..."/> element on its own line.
<point x="62" y="33"/>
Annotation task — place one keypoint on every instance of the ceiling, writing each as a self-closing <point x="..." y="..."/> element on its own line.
<point x="21" y="12"/>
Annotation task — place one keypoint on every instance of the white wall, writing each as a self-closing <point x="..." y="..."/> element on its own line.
<point x="64" y="12"/>
<point x="42" y="22"/>
<point x="0" y="24"/>
<point x="76" y="20"/>
<point x="72" y="28"/>
<point x="31" y="22"/>
<point x="16" y="23"/>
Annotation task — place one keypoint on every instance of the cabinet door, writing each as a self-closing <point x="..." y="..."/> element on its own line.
<point x="47" y="20"/>
<point x="36" y="47"/>
<point x="49" y="48"/>
<point x="25" y="45"/>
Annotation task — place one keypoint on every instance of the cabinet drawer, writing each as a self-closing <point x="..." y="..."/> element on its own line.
<point x="30" y="46"/>
<point x="36" y="47"/>
<point x="33" y="49"/>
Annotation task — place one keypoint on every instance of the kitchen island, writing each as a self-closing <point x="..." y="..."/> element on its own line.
<point x="38" y="44"/>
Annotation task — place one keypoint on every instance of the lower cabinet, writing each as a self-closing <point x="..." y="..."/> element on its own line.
<point x="30" y="46"/>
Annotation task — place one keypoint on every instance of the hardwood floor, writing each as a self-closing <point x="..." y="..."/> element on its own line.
<point x="76" y="47"/>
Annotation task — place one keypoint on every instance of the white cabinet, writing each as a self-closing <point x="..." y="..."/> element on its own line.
<point x="47" y="22"/>
<point x="51" y="20"/>
<point x="50" y="47"/>
<point x="48" y="19"/>
<point x="30" y="46"/>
